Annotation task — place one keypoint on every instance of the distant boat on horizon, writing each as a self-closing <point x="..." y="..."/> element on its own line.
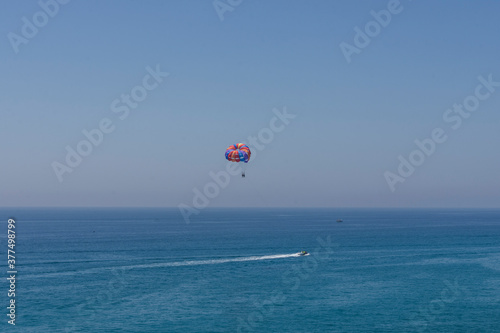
<point x="340" y="220"/>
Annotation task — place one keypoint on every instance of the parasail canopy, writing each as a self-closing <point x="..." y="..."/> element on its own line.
<point x="238" y="153"/>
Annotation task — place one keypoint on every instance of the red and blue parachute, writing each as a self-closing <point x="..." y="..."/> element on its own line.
<point x="238" y="153"/>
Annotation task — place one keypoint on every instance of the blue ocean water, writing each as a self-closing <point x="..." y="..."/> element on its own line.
<point x="237" y="270"/>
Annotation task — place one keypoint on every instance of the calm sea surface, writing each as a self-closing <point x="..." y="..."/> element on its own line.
<point x="236" y="270"/>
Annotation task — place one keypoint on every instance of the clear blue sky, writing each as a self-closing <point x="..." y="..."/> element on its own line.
<point x="352" y="120"/>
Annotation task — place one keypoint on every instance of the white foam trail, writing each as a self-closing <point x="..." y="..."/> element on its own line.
<point x="213" y="261"/>
<point x="166" y="264"/>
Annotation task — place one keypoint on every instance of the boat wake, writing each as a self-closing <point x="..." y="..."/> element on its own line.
<point x="214" y="261"/>
<point x="163" y="264"/>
